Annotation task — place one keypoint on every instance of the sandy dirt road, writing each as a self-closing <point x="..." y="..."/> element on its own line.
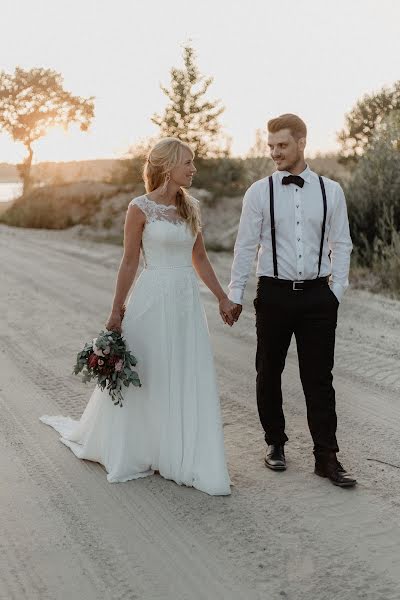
<point x="67" y="533"/>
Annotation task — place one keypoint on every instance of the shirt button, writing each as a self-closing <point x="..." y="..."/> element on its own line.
<point x="299" y="272"/>
<point x="299" y="255"/>
<point x="298" y="222"/>
<point x="298" y="239"/>
<point x="297" y="206"/>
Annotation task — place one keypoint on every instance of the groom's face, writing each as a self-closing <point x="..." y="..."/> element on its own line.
<point x="285" y="150"/>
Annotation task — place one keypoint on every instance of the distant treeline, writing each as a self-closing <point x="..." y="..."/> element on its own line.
<point x="224" y="175"/>
<point x="8" y="172"/>
<point x="49" y="173"/>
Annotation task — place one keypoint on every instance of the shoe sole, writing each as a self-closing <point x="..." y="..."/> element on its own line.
<point x="275" y="468"/>
<point x="344" y="484"/>
<point x="349" y="484"/>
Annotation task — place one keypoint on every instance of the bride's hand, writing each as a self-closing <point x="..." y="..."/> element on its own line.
<point x="226" y="308"/>
<point x="114" y="321"/>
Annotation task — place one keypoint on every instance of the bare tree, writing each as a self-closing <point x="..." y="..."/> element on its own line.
<point x="260" y="147"/>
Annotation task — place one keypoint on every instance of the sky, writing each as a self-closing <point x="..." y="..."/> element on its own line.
<point x="309" y="57"/>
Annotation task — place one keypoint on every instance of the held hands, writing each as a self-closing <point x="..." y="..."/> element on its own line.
<point x="115" y="319"/>
<point x="229" y="311"/>
<point x="237" y="311"/>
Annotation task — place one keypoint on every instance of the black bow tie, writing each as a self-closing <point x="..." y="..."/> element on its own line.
<point x="296" y="179"/>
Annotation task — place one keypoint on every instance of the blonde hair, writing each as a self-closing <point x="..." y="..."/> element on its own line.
<point x="166" y="154"/>
<point x="297" y="127"/>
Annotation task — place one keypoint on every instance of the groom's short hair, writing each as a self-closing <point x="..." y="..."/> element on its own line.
<point x="297" y="127"/>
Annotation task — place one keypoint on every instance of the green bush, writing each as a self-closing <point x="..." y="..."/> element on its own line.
<point x="221" y="176"/>
<point x="373" y="199"/>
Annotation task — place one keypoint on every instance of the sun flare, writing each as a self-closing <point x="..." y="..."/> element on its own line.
<point x="60" y="145"/>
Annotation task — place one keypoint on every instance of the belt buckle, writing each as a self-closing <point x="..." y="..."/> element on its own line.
<point x="296" y="289"/>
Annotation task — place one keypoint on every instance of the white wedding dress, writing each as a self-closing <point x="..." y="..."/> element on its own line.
<point x="172" y="423"/>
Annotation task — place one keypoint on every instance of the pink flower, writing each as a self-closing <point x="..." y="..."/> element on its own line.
<point x="97" y="351"/>
<point x="118" y="365"/>
<point x="100" y="362"/>
<point x="106" y="350"/>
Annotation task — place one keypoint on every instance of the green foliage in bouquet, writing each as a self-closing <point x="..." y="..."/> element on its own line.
<point x="107" y="360"/>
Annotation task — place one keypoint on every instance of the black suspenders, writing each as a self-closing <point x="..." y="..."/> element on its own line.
<point x="271" y="210"/>
<point x="321" y="182"/>
<point x="272" y="214"/>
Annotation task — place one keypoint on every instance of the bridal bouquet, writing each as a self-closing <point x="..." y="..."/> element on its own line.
<point x="107" y="360"/>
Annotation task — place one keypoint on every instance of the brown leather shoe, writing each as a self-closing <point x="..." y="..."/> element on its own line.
<point x="275" y="458"/>
<point x="330" y="467"/>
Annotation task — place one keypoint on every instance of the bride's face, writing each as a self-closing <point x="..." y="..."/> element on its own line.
<point x="183" y="173"/>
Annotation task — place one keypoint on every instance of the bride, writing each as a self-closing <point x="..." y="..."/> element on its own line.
<point x="172" y="424"/>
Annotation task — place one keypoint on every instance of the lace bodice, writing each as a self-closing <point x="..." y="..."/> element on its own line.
<point x="157" y="212"/>
<point x="166" y="239"/>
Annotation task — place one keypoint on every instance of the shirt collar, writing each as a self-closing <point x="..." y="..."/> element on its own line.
<point x="306" y="174"/>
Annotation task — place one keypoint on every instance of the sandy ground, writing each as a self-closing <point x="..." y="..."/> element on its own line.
<point x="67" y="533"/>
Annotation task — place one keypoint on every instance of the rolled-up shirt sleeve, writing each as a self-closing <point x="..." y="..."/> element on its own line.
<point x="340" y="245"/>
<point x="246" y="245"/>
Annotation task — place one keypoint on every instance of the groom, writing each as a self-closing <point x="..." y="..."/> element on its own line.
<point x="298" y="222"/>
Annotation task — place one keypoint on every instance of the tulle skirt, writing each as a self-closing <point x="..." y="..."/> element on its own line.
<point x="172" y="423"/>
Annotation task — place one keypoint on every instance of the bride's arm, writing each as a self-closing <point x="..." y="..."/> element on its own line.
<point x="205" y="271"/>
<point x="134" y="223"/>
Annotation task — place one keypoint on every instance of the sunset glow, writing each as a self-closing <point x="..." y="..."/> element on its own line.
<point x="318" y="64"/>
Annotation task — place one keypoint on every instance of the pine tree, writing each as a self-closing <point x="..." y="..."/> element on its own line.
<point x="189" y="116"/>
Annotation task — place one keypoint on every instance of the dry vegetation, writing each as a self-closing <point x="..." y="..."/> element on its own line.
<point x="96" y="209"/>
<point x="60" y="206"/>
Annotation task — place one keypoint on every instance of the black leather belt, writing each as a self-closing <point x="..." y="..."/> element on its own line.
<point x="296" y="286"/>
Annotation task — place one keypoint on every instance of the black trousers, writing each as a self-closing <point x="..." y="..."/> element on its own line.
<point x="310" y="315"/>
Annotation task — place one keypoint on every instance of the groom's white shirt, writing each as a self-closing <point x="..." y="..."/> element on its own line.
<point x="298" y="222"/>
